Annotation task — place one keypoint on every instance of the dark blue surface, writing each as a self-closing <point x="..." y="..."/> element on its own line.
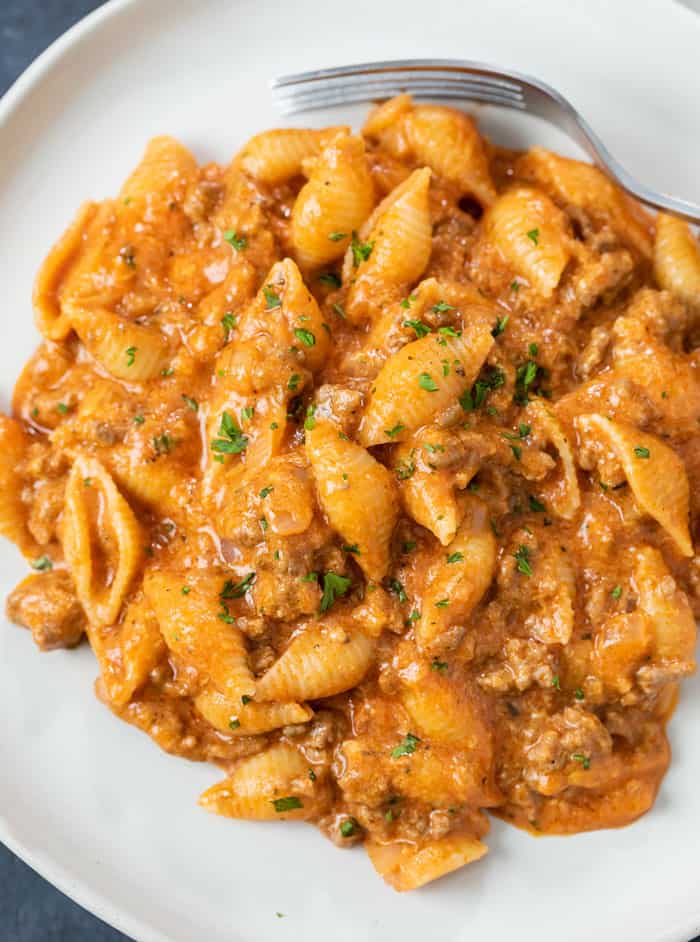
<point x="30" y="909"/>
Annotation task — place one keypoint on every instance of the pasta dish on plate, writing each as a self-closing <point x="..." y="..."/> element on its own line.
<point x="368" y="464"/>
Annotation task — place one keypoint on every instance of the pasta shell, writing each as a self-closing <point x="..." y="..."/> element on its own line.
<point x="561" y="491"/>
<point x="573" y="182"/>
<point x="271" y="786"/>
<point x="668" y="608"/>
<point x="275" y="156"/>
<point x="334" y="203"/>
<point x="397" y="243"/>
<point x="166" y="168"/>
<point x="447" y="141"/>
<point x="13" y="512"/>
<point x="411" y="389"/>
<point x="654" y="471"/>
<point x="128" y="351"/>
<point x="320" y="661"/>
<point x="102" y="541"/>
<point x="530" y="232"/>
<point x="457" y="587"/>
<point x="249" y="719"/>
<point x="407" y="866"/>
<point x="677" y="259"/>
<point x="192" y="629"/>
<point x="357" y="494"/>
<point x="51" y="321"/>
<point x="441" y="708"/>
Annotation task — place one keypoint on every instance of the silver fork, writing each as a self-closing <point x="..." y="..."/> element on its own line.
<point x="472" y="81"/>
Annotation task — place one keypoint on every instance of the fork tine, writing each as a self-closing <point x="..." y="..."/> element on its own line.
<point x="294" y="103"/>
<point x="407" y="81"/>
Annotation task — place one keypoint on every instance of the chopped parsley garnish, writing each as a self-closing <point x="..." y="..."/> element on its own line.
<point x="584" y="760"/>
<point x="238" y="242"/>
<point x="515" y="286"/>
<point x="167" y="371"/>
<point x="87" y="482"/>
<point x="579" y="694"/>
<point x="522" y="557"/>
<point x="272" y="300"/>
<point x="334" y="586"/>
<point x="439" y="666"/>
<point x="130" y="355"/>
<point x="448" y="331"/>
<point x="42" y="564"/>
<point x="420" y="328"/>
<point x="339" y="310"/>
<point x="185" y="590"/>
<point x="236" y="590"/>
<point x="310" y="421"/>
<point x="162" y="444"/>
<point x="500" y="325"/>
<point x="310" y="577"/>
<point x="337" y="236"/>
<point x="349" y="827"/>
<point x="408" y="546"/>
<point x="525" y="376"/>
<point x="406" y="469"/>
<point x="266" y="490"/>
<point x="406" y="747"/>
<point x="331" y="279"/>
<point x="534" y="236"/>
<point x="616" y="592"/>
<point x="414" y="616"/>
<point x="490" y="379"/>
<point x="455" y="557"/>
<point x="443" y="603"/>
<point x="406" y="303"/>
<point x="361" y="251"/>
<point x="532" y="349"/>
<point x="441" y="307"/>
<point x="535" y="505"/>
<point x="392" y="432"/>
<point x="245" y="699"/>
<point x="247" y="413"/>
<point x="229" y="322"/>
<point x="306" y="336"/>
<point x="517" y="451"/>
<point x="234" y="724"/>
<point x="232" y="441"/>
<point x="426" y="381"/>
<point x="555" y="682"/>
<point x="287" y="804"/>
<point x="62" y="408"/>
<point x="398" y="590"/>
<point x="293" y="382"/>
<point x="352" y="548"/>
<point x="191" y="403"/>
<point x="139" y="420"/>
<point x="642" y="452"/>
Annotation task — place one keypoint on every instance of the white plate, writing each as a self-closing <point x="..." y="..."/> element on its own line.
<point x="89" y="801"/>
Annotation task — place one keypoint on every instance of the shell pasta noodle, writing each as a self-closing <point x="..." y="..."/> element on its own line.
<point x="368" y="465"/>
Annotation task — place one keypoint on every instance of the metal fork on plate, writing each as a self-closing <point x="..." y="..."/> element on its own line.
<point x="470" y="81"/>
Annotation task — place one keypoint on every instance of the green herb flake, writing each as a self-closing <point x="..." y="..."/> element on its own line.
<point x="361" y="251"/>
<point x="408" y="546"/>
<point x="130" y="355"/>
<point x="139" y="420"/>
<point x="42" y="564"/>
<point x="238" y="242"/>
<point x="421" y="329"/>
<point x="266" y="490"/>
<point x="310" y="420"/>
<point x="287" y="804"/>
<point x="312" y="775"/>
<point x="293" y="382"/>
<point x="393" y="432"/>
<point x="236" y="590"/>
<point x="555" y="682"/>
<point x="234" y="724"/>
<point x="331" y="279"/>
<point x="440" y="666"/>
<point x="334" y="586"/>
<point x="455" y="557"/>
<point x="305" y="336"/>
<point x="579" y="694"/>
<point x="339" y="310"/>
<point x="500" y="325"/>
<point x="229" y="322"/>
<point x="185" y="590"/>
<point x="535" y="505"/>
<point x="190" y="403"/>
<point x="337" y="236"/>
<point x="398" y="590"/>
<point x="583" y="760"/>
<point x="406" y="747"/>
<point x="534" y="236"/>
<point x="62" y="408"/>
<point x="522" y="557"/>
<point x="532" y="349"/>
<point x="349" y="827"/>
<point x="272" y="300"/>
<point x="443" y="603"/>
<point x="232" y="441"/>
<point x="425" y="381"/>
<point x="616" y="592"/>
<point x="442" y="307"/>
<point x="642" y="452"/>
<point x="352" y="548"/>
